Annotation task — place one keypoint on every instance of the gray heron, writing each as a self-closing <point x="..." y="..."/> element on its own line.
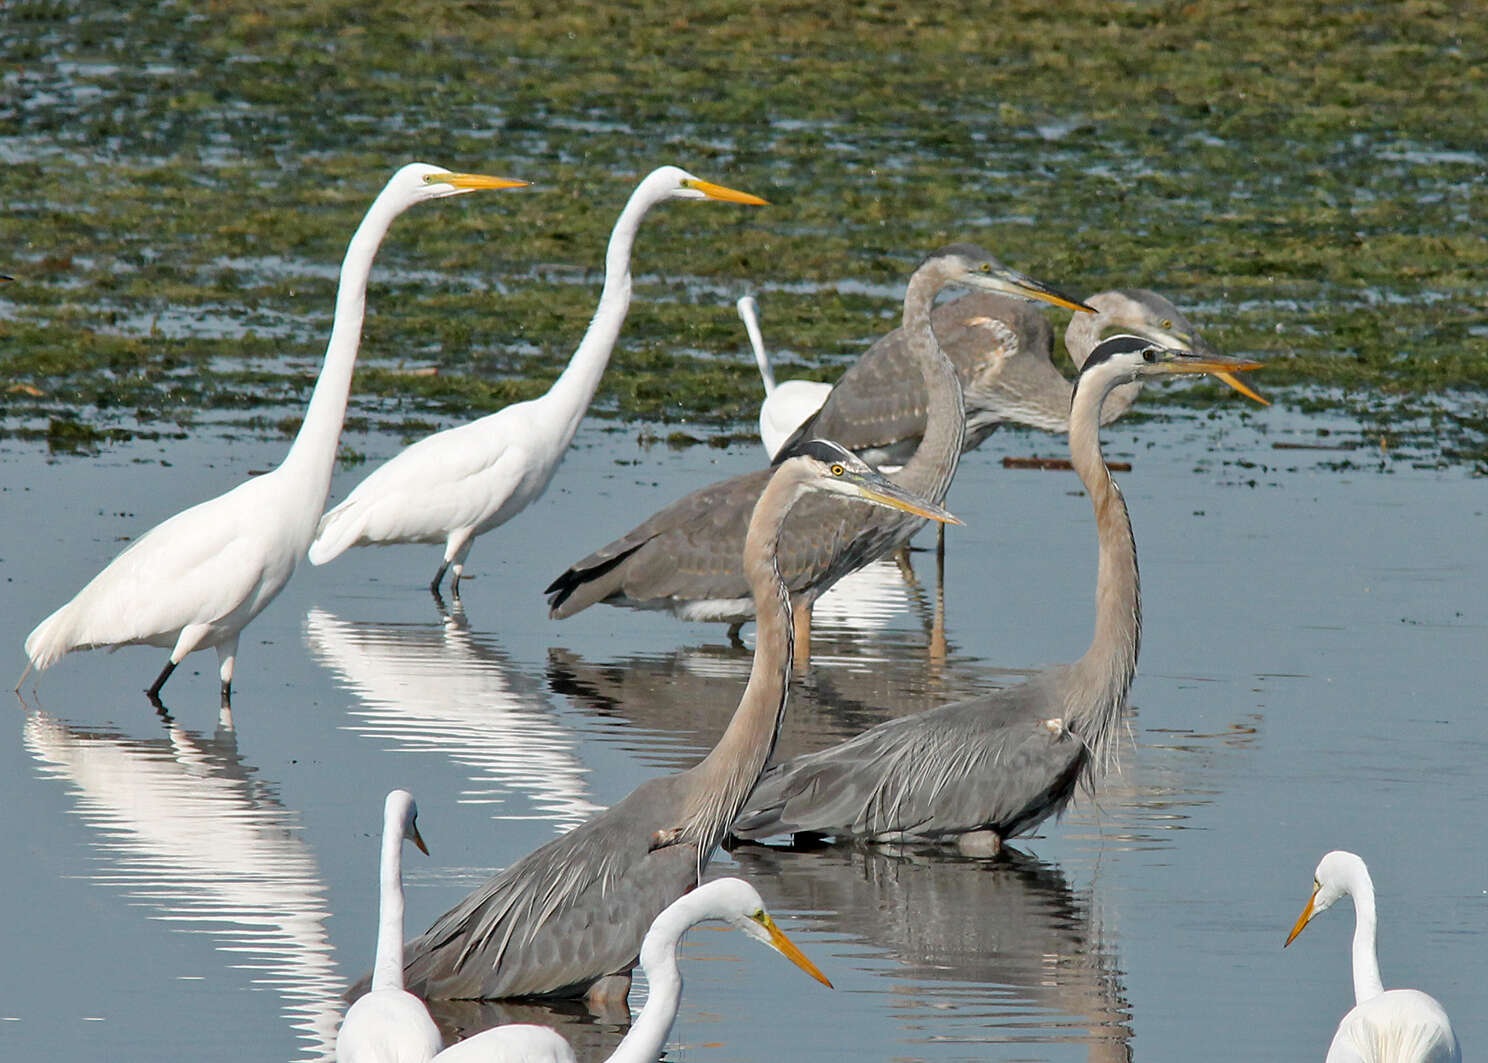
<point x="685" y="558"/>
<point x="977" y="772"/>
<point x="567" y="919"/>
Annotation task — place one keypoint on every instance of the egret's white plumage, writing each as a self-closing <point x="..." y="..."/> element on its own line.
<point x="1384" y="1025"/>
<point x="388" y="1024"/>
<point x="787" y="404"/>
<point x="197" y="579"/>
<point x="454" y="485"/>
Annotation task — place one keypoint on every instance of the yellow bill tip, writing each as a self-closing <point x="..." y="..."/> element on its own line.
<point x="1242" y="387"/>
<point x="1301" y="920"/>
<point x="787" y="948"/>
<point x="727" y="195"/>
<point x="418" y="839"/>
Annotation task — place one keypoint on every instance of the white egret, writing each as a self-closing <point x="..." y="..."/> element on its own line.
<point x="454" y="485"/>
<point x="197" y="579"/>
<point x="388" y="1024"/>
<point x="1384" y="1025"/>
<point x="786" y="404"/>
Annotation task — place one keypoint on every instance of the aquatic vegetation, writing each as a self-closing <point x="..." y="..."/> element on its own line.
<point x="180" y="184"/>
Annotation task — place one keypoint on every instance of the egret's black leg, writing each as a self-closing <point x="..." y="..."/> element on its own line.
<point x="165" y="673"/>
<point x="438" y="579"/>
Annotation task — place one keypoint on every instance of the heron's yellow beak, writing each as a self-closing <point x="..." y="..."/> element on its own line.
<point x="911" y="505"/>
<point x="728" y="195"/>
<point x="418" y="839"/>
<point x="787" y="948"/>
<point x="1302" y="919"/>
<point x="1242" y="387"/>
<point x="472" y="181"/>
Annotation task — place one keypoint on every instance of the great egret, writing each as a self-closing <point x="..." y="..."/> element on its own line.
<point x="786" y="404"/>
<point x="568" y="918"/>
<point x="1384" y="1025"/>
<point x="198" y="578"/>
<point x="388" y="1024"/>
<point x="1003" y="351"/>
<point x="730" y="899"/>
<point x="685" y="558"/>
<point x="454" y="485"/>
<point x="978" y="772"/>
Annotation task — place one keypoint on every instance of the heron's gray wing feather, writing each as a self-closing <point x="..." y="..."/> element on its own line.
<point x="567" y="913"/>
<point x="880" y="403"/>
<point x="986" y="763"/>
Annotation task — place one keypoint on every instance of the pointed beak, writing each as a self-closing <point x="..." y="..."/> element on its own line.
<point x="885" y="492"/>
<point x="1009" y="281"/>
<point x="787" y="948"/>
<point x="1221" y="365"/>
<point x="469" y="182"/>
<point x="1302" y="919"/>
<point x="418" y="839"/>
<point x="727" y="195"/>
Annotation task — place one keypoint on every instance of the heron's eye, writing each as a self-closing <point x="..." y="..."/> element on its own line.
<point x="838" y="470"/>
<point x="986" y="267"/>
<point x="1149" y="355"/>
<point x="1167" y="323"/>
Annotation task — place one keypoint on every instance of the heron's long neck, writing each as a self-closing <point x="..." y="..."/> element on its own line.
<point x="733" y="766"/>
<point x="313" y="452"/>
<point x="932" y="466"/>
<point x="1103" y="676"/>
<point x="570" y="395"/>
<point x="1080" y="338"/>
<point x="1367" y="981"/>
<point x="387" y="970"/>
<point x="647" y="1036"/>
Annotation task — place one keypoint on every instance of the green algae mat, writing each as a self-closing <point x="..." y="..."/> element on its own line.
<point x="180" y="180"/>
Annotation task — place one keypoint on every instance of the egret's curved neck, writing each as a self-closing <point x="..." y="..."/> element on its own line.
<point x="571" y="393"/>
<point x="733" y="766"/>
<point x="932" y="466"/>
<point x="387" y="970"/>
<point x="1367" y="981"/>
<point x="313" y="452"/>
<point x="647" y="1036"/>
<point x="1104" y="674"/>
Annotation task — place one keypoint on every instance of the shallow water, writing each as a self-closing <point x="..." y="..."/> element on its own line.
<point x="1311" y="677"/>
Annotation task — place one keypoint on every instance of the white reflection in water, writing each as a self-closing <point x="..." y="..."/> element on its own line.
<point x="439" y="688"/>
<point x="188" y="830"/>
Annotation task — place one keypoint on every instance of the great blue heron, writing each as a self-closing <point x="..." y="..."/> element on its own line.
<point x="197" y="579"/>
<point x="786" y="404"/>
<point x="454" y="485"/>
<point x="1384" y="1025"/>
<point x="567" y="919"/>
<point x="1003" y="351"/>
<point x="685" y="558"/>
<point x="980" y="771"/>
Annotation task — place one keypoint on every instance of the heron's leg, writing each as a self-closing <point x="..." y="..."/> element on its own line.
<point x="23" y="676"/>
<point x="801" y="623"/>
<point x="940" y="550"/>
<point x="982" y="843"/>
<point x="608" y="992"/>
<point x="906" y="568"/>
<point x="733" y="637"/>
<point x="189" y="638"/>
<point x="437" y="580"/>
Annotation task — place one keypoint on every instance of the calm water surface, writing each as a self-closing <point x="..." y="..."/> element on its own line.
<point x="1312" y="677"/>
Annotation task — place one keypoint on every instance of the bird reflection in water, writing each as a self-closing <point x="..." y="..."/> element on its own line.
<point x="440" y="688"/>
<point x="1000" y="951"/>
<point x="188" y="830"/>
